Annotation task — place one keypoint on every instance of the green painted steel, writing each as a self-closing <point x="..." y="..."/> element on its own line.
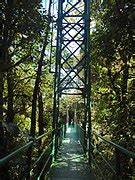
<point x="109" y="165"/>
<point x="98" y="168"/>
<point x="24" y="148"/>
<point x="16" y="153"/>
<point x="80" y="136"/>
<point x="43" y="169"/>
<point x="72" y="66"/>
<point x="21" y="149"/>
<point x="40" y="157"/>
<point x="118" y="150"/>
<point x="117" y="146"/>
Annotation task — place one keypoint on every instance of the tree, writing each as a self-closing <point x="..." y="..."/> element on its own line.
<point x="36" y="87"/>
<point x="112" y="55"/>
<point x="22" y="27"/>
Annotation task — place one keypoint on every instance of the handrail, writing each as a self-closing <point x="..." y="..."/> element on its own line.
<point x="43" y="168"/>
<point x="21" y="149"/>
<point x="97" y="167"/>
<point x="29" y="144"/>
<point x="40" y="157"/>
<point x="117" y="172"/>
<point x="113" y="170"/>
<point x="14" y="153"/>
<point x="41" y="136"/>
<point x="117" y="146"/>
<point x="122" y="149"/>
<point x="80" y="127"/>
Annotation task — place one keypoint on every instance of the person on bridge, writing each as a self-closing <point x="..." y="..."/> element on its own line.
<point x="71" y="117"/>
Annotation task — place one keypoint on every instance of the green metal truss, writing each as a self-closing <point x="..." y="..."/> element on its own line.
<point x="72" y="68"/>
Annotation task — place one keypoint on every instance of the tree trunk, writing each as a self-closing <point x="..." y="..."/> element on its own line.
<point x="40" y="116"/>
<point x="3" y="150"/>
<point x="35" y="92"/>
<point x="40" y="119"/>
<point x="10" y="110"/>
<point x="3" y="62"/>
<point x="40" y="128"/>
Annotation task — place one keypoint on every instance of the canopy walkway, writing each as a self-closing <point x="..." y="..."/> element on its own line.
<point x="71" y="162"/>
<point x="74" y="152"/>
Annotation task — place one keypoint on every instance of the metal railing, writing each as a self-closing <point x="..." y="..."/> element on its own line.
<point x="116" y="158"/>
<point x="109" y="158"/>
<point x="21" y="153"/>
<point x="81" y="137"/>
<point x="42" y="157"/>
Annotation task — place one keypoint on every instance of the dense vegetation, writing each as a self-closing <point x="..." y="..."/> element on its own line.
<point x="26" y="86"/>
<point x="25" y="82"/>
<point x="112" y="60"/>
<point x="112" y="72"/>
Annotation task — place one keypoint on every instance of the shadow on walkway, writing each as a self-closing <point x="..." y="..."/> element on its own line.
<point x="71" y="163"/>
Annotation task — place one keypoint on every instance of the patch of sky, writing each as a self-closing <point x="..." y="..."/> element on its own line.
<point x="54" y="8"/>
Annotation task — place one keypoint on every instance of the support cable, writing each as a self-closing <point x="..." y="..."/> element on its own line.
<point x="52" y="35"/>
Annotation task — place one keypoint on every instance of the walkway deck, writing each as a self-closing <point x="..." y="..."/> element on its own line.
<point x="71" y="163"/>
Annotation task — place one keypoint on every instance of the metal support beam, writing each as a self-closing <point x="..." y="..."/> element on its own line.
<point x="88" y="74"/>
<point x="57" y="76"/>
<point x="72" y="68"/>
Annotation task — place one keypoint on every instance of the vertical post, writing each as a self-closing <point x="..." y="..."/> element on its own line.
<point x="118" y="170"/>
<point x="75" y="115"/>
<point x="53" y="146"/>
<point x="57" y="78"/>
<point x="87" y="89"/>
<point x="88" y="78"/>
<point x="85" y="119"/>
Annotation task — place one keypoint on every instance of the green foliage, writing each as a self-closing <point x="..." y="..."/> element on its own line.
<point x="24" y="27"/>
<point x="111" y="58"/>
<point x="112" y="54"/>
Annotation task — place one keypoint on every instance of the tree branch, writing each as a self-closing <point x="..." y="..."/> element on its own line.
<point x="116" y="90"/>
<point x="17" y="63"/>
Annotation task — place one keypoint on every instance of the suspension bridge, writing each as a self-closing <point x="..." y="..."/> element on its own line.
<point x="71" y="151"/>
